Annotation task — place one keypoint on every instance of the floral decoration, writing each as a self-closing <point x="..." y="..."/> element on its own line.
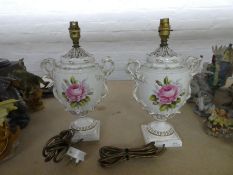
<point x="167" y="94"/>
<point x="220" y="123"/>
<point x="76" y="93"/>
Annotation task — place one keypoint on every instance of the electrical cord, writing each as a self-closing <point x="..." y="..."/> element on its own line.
<point x="110" y="155"/>
<point x="56" y="147"/>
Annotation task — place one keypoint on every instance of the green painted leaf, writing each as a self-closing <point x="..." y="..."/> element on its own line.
<point x="173" y="106"/>
<point x="80" y="103"/>
<point x="72" y="80"/>
<point x="85" y="100"/>
<point x="153" y="98"/>
<point x="64" y="95"/>
<point x="74" y="104"/>
<point x="166" y="81"/>
<point x="174" y="102"/>
<point x="163" y="107"/>
<point x="88" y="98"/>
<point x="178" y="100"/>
<point x="159" y="83"/>
<point x="182" y="93"/>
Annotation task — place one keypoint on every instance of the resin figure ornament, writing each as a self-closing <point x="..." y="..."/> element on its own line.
<point x="79" y="84"/>
<point x="162" y="87"/>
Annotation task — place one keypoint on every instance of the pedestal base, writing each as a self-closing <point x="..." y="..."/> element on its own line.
<point x="87" y="133"/>
<point x="172" y="140"/>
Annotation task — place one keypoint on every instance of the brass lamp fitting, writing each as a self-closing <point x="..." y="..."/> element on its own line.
<point x="74" y="33"/>
<point x="164" y="31"/>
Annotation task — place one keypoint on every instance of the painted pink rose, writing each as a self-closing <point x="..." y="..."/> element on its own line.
<point x="76" y="92"/>
<point x="167" y="94"/>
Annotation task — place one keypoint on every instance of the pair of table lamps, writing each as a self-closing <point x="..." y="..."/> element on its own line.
<point x="162" y="86"/>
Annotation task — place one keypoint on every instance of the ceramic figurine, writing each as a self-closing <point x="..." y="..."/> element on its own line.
<point x="222" y="66"/>
<point x="219" y="123"/>
<point x="215" y="74"/>
<point x="79" y="84"/>
<point x="28" y="83"/>
<point x="29" y="86"/>
<point x="212" y="77"/>
<point x="6" y="66"/>
<point x="8" y="91"/>
<point x="162" y="87"/>
<point x="5" y="107"/>
<point x="229" y="105"/>
<point x="199" y="83"/>
<point x="8" y="136"/>
<point x="204" y="104"/>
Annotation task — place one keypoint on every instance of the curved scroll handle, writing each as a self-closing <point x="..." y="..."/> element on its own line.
<point x="107" y="67"/>
<point x="133" y="68"/>
<point x="47" y="65"/>
<point x="193" y="64"/>
<point x="56" y="95"/>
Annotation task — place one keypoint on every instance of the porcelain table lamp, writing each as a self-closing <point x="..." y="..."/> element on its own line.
<point x="79" y="84"/>
<point x="162" y="87"/>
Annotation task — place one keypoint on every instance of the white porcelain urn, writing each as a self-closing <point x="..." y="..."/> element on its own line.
<point x="162" y="87"/>
<point x="79" y="84"/>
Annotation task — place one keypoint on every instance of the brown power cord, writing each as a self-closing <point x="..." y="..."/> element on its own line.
<point x="56" y="147"/>
<point x="110" y="155"/>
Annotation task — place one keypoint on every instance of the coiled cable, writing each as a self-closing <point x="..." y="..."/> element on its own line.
<point x="110" y="155"/>
<point x="57" y="146"/>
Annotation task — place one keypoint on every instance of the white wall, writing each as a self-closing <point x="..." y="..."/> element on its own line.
<point x="121" y="29"/>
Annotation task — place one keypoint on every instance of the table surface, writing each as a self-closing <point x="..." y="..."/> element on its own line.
<point x="121" y="117"/>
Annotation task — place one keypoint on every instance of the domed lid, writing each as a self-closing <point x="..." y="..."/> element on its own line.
<point x="164" y="57"/>
<point x="77" y="56"/>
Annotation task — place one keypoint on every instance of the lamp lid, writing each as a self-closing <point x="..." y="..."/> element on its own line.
<point x="164" y="56"/>
<point x="76" y="55"/>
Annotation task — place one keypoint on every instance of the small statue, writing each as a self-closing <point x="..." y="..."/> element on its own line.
<point x="6" y="66"/>
<point x="220" y="123"/>
<point x="229" y="105"/>
<point x="221" y="66"/>
<point x="29" y="87"/>
<point x="204" y="104"/>
<point x="28" y="84"/>
<point x="8" y="136"/>
<point x="212" y="77"/>
<point x="228" y="54"/>
<point x="8" y="91"/>
<point x="200" y="83"/>
<point x="5" y="107"/>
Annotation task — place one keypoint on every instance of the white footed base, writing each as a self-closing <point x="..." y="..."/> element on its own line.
<point x="86" y="128"/>
<point x="172" y="140"/>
